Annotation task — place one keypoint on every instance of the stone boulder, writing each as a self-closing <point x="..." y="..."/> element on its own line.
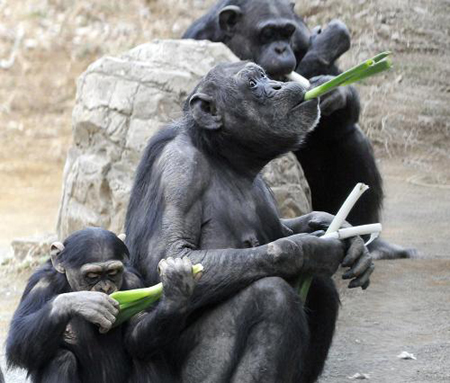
<point x="120" y="103"/>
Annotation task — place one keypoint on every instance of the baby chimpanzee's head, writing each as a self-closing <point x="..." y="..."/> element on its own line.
<point x="92" y="260"/>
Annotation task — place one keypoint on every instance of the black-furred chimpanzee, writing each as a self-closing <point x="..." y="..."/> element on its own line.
<point x="61" y="331"/>
<point x="198" y="194"/>
<point x="337" y="154"/>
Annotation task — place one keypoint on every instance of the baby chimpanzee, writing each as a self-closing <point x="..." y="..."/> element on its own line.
<point x="62" y="330"/>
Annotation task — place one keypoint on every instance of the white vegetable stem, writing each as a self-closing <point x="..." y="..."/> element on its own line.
<point x="355" y="231"/>
<point x="343" y="212"/>
<point x="294" y="76"/>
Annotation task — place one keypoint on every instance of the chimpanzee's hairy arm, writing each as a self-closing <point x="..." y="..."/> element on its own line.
<point x="36" y="329"/>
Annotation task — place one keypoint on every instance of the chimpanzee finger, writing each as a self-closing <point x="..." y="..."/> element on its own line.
<point x="108" y="315"/>
<point x="162" y="265"/>
<point x="363" y="279"/>
<point x="187" y="265"/>
<point x="366" y="285"/>
<point x="318" y="225"/>
<point x="104" y="324"/>
<point x="318" y="233"/>
<point x="113" y="302"/>
<point x="360" y="268"/>
<point x="355" y="251"/>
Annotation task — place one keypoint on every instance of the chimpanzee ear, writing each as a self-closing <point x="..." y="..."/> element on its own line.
<point x="122" y="237"/>
<point x="228" y="18"/>
<point x="204" y="111"/>
<point x="55" y="249"/>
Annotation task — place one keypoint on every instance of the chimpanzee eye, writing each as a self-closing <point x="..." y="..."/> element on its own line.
<point x="92" y="276"/>
<point x="112" y="273"/>
<point x="252" y="83"/>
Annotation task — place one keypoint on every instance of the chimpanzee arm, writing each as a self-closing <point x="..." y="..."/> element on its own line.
<point x="36" y="329"/>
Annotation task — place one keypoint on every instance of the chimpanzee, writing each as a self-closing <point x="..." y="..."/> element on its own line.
<point x="337" y="154"/>
<point x="198" y="194"/>
<point x="61" y="331"/>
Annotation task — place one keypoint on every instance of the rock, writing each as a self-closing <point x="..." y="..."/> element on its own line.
<point x="286" y="178"/>
<point x="121" y="102"/>
<point x="32" y="248"/>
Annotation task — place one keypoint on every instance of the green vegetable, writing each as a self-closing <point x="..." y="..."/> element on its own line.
<point x="133" y="302"/>
<point x="373" y="66"/>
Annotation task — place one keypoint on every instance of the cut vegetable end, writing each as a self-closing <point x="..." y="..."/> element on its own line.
<point x="294" y="76"/>
<point x="379" y="67"/>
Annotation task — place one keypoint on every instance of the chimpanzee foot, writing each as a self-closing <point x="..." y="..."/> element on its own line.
<point x="380" y="249"/>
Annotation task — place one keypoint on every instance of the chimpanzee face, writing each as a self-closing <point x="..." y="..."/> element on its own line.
<point x="267" y="32"/>
<point x="105" y="277"/>
<point x="92" y="259"/>
<point x="242" y="104"/>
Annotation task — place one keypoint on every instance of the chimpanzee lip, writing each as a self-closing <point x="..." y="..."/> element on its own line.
<point x="302" y="103"/>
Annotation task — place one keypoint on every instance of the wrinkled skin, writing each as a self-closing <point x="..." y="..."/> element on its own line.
<point x="198" y="195"/>
<point x="337" y="155"/>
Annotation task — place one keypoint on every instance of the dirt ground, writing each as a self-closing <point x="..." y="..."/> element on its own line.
<point x="46" y="44"/>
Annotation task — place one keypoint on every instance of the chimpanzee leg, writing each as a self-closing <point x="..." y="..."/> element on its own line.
<point x="259" y="335"/>
<point x="63" y="368"/>
<point x="322" y="309"/>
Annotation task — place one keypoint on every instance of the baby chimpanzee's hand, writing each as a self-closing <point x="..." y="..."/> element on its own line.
<point x="178" y="281"/>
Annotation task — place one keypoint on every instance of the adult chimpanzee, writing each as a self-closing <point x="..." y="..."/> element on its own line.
<point x="337" y="154"/>
<point x="198" y="194"/>
<point x="54" y="333"/>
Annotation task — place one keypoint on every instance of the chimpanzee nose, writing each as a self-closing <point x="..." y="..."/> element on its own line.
<point x="105" y="288"/>
<point x="280" y="49"/>
<point x="275" y="85"/>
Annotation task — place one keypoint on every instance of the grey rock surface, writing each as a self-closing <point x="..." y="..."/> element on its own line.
<point x="33" y="248"/>
<point x="121" y="102"/>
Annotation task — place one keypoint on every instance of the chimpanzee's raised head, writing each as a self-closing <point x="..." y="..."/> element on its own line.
<point x="92" y="260"/>
<point x="238" y="106"/>
<point x="267" y="32"/>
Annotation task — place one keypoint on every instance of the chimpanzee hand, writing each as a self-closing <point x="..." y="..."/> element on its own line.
<point x="330" y="43"/>
<point x="178" y="281"/>
<point x="357" y="258"/>
<point x="335" y="100"/>
<point x="308" y="253"/>
<point x="360" y="262"/>
<point x="308" y="223"/>
<point x="97" y="308"/>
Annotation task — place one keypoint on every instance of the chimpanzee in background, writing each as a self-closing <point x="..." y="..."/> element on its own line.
<point x="337" y="154"/>
<point x="198" y="194"/>
<point x="61" y="331"/>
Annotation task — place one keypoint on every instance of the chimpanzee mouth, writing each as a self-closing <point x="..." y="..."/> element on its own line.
<point x="303" y="103"/>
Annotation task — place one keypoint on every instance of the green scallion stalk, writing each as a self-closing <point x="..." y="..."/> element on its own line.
<point x="375" y="65"/>
<point x="132" y="302"/>
<point x="378" y="67"/>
